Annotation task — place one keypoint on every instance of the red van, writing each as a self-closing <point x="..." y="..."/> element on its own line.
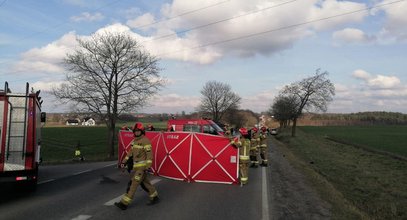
<point x="195" y="125"/>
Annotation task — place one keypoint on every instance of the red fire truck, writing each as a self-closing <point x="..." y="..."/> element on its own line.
<point x="20" y="136"/>
<point x="195" y="125"/>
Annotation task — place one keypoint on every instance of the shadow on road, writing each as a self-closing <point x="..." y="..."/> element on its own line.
<point x="11" y="192"/>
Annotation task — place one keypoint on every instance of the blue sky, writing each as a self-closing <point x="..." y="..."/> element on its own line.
<point x="255" y="46"/>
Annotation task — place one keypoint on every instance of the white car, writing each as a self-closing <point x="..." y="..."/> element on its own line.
<point x="273" y="131"/>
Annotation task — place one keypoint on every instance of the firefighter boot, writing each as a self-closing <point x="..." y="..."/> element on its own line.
<point x="154" y="201"/>
<point x="120" y="205"/>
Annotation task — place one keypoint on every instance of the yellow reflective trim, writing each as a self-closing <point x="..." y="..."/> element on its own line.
<point x="154" y="194"/>
<point x="126" y="200"/>
<point x="147" y="147"/>
<point x="263" y="145"/>
<point x="244" y="157"/>
<point x="126" y="158"/>
<point x="137" y="178"/>
<point x="137" y="146"/>
<point x="77" y="153"/>
<point x="138" y="165"/>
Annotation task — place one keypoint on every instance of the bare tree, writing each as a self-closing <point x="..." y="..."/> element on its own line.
<point x="283" y="109"/>
<point x="311" y="94"/>
<point x="218" y="98"/>
<point x="107" y="75"/>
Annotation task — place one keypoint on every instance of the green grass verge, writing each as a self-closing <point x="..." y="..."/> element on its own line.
<point x="59" y="143"/>
<point x="389" y="138"/>
<point x="359" y="184"/>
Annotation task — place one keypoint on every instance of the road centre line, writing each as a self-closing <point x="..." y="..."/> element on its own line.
<point x="118" y="198"/>
<point x="85" y="171"/>
<point x="82" y="217"/>
<point x="264" y="197"/>
<point x="46" y="181"/>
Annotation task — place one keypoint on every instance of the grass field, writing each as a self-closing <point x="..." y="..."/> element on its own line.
<point x="359" y="184"/>
<point x="388" y="138"/>
<point x="59" y="143"/>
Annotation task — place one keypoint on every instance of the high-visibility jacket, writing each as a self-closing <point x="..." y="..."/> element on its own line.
<point x="244" y="148"/>
<point x="141" y="152"/>
<point x="255" y="141"/>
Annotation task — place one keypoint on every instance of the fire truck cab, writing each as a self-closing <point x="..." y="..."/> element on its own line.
<point x="195" y="125"/>
<point x="20" y="136"/>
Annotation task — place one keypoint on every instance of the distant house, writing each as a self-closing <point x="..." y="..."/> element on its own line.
<point x="88" y="121"/>
<point x="72" y="122"/>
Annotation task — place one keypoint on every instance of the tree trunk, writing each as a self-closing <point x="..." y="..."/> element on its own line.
<point x="110" y="139"/>
<point x="294" y="127"/>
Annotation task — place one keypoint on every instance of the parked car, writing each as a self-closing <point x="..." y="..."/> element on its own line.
<point x="273" y="131"/>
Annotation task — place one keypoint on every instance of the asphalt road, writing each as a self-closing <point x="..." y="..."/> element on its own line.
<point x="88" y="190"/>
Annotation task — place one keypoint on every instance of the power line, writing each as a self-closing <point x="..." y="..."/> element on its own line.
<point x="280" y="28"/>
<point x="263" y="32"/>
<point x="220" y="21"/>
<point x="182" y="14"/>
<point x="54" y="26"/>
<point x="63" y="23"/>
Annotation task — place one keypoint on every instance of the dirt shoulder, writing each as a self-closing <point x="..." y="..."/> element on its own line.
<point x="292" y="197"/>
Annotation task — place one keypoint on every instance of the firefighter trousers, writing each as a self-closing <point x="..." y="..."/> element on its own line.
<point x="254" y="152"/>
<point x="244" y="171"/>
<point x="263" y="155"/>
<point x="139" y="177"/>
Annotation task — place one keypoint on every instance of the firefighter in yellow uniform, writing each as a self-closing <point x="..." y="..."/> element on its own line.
<point x="244" y="148"/>
<point x="263" y="146"/>
<point x="142" y="157"/>
<point x="254" y="147"/>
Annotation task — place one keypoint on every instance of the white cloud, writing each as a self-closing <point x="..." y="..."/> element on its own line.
<point x="331" y="8"/>
<point x="378" y="81"/>
<point x="142" y="21"/>
<point x="258" y="102"/>
<point x="351" y="35"/>
<point x="396" y="23"/>
<point x="86" y="16"/>
<point x="46" y="86"/>
<point x="376" y="93"/>
<point x="212" y="42"/>
<point x="384" y="82"/>
<point x="46" y="59"/>
<point x="361" y="74"/>
<point x="193" y="38"/>
<point x="172" y="103"/>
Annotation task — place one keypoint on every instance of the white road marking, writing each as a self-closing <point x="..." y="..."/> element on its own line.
<point x="265" y="204"/>
<point x="118" y="198"/>
<point x="82" y="217"/>
<point x="46" y="181"/>
<point x="85" y="171"/>
<point x="110" y="165"/>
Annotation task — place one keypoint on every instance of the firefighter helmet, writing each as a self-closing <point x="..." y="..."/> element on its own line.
<point x="243" y="131"/>
<point x="255" y="129"/>
<point x="138" y="126"/>
<point x="264" y="129"/>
